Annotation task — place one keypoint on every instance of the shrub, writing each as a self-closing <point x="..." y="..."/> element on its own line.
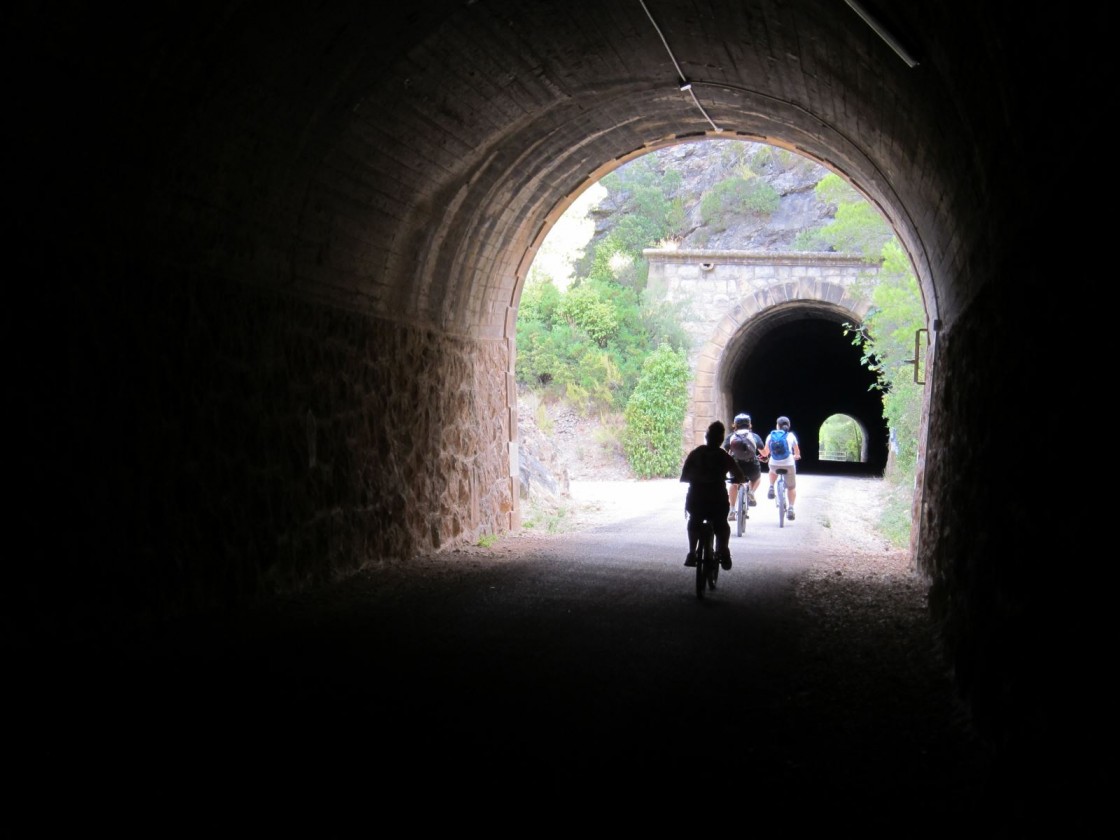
<point x="738" y="196"/>
<point x="655" y="414"/>
<point x="585" y="306"/>
<point x="539" y="302"/>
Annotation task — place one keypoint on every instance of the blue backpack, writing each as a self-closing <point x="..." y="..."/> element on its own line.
<point x="779" y="446"/>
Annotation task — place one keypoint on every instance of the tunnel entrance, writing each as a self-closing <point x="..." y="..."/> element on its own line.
<point x="799" y="363"/>
<point x="764" y="330"/>
<point x="842" y="438"/>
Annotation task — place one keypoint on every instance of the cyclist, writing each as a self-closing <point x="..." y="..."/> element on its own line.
<point x="705" y="471"/>
<point x="744" y="445"/>
<point x="793" y="454"/>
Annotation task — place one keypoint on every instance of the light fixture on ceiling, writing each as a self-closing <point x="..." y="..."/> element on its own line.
<point x="881" y="31"/>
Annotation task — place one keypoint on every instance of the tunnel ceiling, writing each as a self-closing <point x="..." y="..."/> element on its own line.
<point x="510" y="109"/>
<point x="189" y="175"/>
<point x="761" y="327"/>
<point x="406" y="161"/>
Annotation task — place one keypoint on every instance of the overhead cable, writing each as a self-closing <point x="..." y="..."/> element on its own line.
<point x="684" y="84"/>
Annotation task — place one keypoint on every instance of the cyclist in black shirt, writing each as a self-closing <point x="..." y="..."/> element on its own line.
<point x="705" y="471"/>
<point x="738" y="444"/>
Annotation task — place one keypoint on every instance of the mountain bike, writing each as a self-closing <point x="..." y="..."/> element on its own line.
<point x="707" y="564"/>
<point x="780" y="498"/>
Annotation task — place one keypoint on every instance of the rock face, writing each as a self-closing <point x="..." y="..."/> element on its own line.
<point x="557" y="445"/>
<point x="704" y="165"/>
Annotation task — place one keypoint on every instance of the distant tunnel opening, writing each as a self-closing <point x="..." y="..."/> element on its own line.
<point x="803" y="366"/>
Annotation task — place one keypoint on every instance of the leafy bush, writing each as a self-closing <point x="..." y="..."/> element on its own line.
<point x="811" y="241"/>
<point x="543" y="352"/>
<point x="886" y="338"/>
<point x="897" y="515"/>
<point x="655" y="414"/>
<point x="586" y="307"/>
<point x="540" y="301"/>
<point x="738" y="196"/>
<point x="647" y="210"/>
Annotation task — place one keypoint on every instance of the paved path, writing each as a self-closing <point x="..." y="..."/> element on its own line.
<point x="582" y="669"/>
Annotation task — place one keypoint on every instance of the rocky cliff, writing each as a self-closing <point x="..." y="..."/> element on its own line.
<point x="703" y="166"/>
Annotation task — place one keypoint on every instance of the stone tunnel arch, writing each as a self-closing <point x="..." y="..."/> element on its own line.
<point x="736" y="301"/>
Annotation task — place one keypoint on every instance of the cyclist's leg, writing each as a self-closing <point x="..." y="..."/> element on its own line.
<point x="754" y="478"/>
<point x="694" y="530"/>
<point x="791" y="488"/>
<point x="723" y="537"/>
<point x="773" y="481"/>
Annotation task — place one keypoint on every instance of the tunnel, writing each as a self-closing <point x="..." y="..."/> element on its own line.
<point x="262" y="254"/>
<point x="798" y="361"/>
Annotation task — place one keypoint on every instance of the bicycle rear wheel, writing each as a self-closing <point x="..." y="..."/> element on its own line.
<point x="781" y="502"/>
<point x="741" y="511"/>
<point x="713" y="572"/>
<point x="705" y="557"/>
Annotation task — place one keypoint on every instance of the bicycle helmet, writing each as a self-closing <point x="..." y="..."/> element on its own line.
<point x="783" y="423"/>
<point x="741" y="421"/>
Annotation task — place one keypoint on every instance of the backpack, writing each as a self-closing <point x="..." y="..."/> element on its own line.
<point x="779" y="446"/>
<point x="743" y="447"/>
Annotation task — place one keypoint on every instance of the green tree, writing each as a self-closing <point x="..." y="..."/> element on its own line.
<point x="887" y="341"/>
<point x="588" y="344"/>
<point x="646" y="210"/>
<point x="542" y="354"/>
<point x="886" y="337"/>
<point x="841" y="438"/>
<point x="540" y="301"/>
<point x="655" y="414"/>
<point x="588" y="307"/>
<point x="641" y="190"/>
<point x="857" y="227"/>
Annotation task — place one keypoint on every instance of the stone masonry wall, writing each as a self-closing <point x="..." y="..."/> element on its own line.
<point x="246" y="444"/>
<point x="723" y="290"/>
<point x="714" y="283"/>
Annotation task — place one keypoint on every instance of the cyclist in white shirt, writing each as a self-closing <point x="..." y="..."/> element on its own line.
<point x="788" y="459"/>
